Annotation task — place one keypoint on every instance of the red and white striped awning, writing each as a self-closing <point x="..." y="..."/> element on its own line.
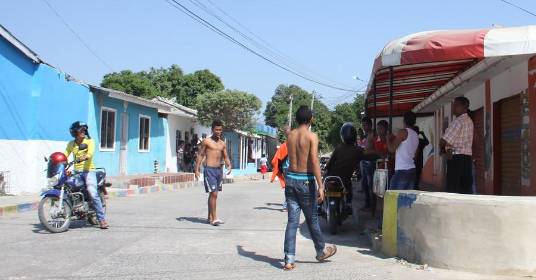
<point x="423" y="62"/>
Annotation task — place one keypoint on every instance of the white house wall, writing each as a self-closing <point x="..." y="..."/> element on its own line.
<point x="509" y="82"/>
<point x="25" y="160"/>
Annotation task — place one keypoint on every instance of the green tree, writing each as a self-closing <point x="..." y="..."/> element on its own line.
<point x="130" y="82"/>
<point x="345" y="112"/>
<point x="168" y="82"/>
<point x="235" y="108"/>
<point x="277" y="109"/>
<point x="197" y="83"/>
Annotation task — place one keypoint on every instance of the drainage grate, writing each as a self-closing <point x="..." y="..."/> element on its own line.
<point x="5" y="186"/>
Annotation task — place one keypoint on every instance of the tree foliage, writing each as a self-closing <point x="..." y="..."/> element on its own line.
<point x="168" y="82"/>
<point x="342" y="113"/>
<point x="277" y="109"/>
<point x="235" y="108"/>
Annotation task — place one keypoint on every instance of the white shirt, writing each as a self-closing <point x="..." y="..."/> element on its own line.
<point x="264" y="161"/>
<point x="405" y="153"/>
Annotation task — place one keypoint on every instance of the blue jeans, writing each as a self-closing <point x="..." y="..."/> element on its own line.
<point x="300" y="194"/>
<point x="91" y="185"/>
<point x="367" y="174"/>
<point x="403" y="179"/>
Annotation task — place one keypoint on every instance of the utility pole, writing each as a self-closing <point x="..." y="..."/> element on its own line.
<point x="290" y="113"/>
<point x="312" y="105"/>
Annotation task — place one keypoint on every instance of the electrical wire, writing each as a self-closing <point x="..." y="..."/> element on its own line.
<point x="269" y="48"/>
<point x="78" y="36"/>
<point x="220" y="32"/>
<point x="518" y="7"/>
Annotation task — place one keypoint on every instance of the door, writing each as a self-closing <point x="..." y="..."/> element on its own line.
<point x="124" y="144"/>
<point x="478" y="150"/>
<point x="510" y="147"/>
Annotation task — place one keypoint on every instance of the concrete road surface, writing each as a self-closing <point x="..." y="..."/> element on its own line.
<point x="164" y="236"/>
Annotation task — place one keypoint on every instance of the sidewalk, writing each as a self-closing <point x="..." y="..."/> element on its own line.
<point x="122" y="186"/>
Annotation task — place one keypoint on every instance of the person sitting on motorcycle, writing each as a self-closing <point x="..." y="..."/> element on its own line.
<point x="346" y="158"/>
<point x="84" y="165"/>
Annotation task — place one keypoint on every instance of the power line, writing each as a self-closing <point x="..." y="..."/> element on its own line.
<point x="78" y="36"/>
<point x="263" y="43"/>
<point x="218" y="31"/>
<point x="518" y="7"/>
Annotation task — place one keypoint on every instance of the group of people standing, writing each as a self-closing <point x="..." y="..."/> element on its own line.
<point x="402" y="153"/>
<point x="187" y="155"/>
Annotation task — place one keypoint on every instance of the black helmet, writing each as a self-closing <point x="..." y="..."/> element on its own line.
<point x="348" y="133"/>
<point x="78" y="126"/>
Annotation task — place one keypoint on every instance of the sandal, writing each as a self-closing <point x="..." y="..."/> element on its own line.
<point x="328" y="252"/>
<point x="289" y="266"/>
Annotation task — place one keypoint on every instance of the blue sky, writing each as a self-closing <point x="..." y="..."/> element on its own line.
<point x="337" y="39"/>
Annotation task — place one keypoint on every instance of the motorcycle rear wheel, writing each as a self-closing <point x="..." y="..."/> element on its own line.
<point x="332" y="216"/>
<point x="54" y="224"/>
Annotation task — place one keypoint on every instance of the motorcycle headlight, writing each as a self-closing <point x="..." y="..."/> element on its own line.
<point x="53" y="181"/>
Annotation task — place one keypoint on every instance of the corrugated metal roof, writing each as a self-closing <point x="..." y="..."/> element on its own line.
<point x="129" y="98"/>
<point x="19" y="45"/>
<point x="176" y="109"/>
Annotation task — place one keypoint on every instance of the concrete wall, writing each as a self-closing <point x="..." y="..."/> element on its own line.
<point x="485" y="234"/>
<point x="38" y="104"/>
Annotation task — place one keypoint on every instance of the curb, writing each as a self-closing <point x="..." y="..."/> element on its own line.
<point x="112" y="193"/>
<point x="115" y="193"/>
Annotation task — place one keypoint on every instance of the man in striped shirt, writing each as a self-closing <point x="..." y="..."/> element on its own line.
<point x="457" y="143"/>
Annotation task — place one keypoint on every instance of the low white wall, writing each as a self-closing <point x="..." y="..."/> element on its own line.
<point x="25" y="162"/>
<point x="487" y="234"/>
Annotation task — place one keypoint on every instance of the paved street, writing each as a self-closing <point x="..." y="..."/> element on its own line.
<point x="163" y="236"/>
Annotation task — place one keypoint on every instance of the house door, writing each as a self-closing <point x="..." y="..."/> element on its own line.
<point x="510" y="146"/>
<point x="478" y="150"/>
<point x="123" y="145"/>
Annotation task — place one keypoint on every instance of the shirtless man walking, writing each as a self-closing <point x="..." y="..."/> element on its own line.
<point x="214" y="150"/>
<point x="301" y="190"/>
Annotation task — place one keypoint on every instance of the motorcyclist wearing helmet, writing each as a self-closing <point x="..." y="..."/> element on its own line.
<point x="83" y="149"/>
<point x="346" y="158"/>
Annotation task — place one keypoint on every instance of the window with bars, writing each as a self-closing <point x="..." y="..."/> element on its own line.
<point x="144" y="133"/>
<point x="107" y="129"/>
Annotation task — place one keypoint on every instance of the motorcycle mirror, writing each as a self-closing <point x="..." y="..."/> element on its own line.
<point x="46" y="159"/>
<point x="82" y="147"/>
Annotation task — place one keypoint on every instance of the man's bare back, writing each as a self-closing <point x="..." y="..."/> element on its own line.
<point x="302" y="147"/>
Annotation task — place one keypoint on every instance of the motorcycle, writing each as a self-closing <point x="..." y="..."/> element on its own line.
<point x="335" y="206"/>
<point x="67" y="198"/>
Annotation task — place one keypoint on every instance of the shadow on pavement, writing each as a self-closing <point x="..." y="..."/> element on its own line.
<point x="40" y="229"/>
<point x="268" y="208"/>
<point x="195" y="220"/>
<point x="259" y="258"/>
<point x="274" y="204"/>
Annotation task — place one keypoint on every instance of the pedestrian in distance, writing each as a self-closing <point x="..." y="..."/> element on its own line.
<point x="456" y="145"/>
<point x="366" y="166"/>
<point x="264" y="165"/>
<point x="213" y="150"/>
<point x="404" y="145"/>
<point x="304" y="189"/>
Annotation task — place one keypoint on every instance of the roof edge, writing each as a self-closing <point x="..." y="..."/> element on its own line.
<point x="10" y="38"/>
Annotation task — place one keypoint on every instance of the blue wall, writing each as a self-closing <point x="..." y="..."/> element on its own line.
<point x="36" y="101"/>
<point x="235" y="148"/>
<point x="137" y="162"/>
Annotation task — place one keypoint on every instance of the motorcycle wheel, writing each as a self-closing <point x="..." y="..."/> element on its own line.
<point x="332" y="216"/>
<point x="45" y="212"/>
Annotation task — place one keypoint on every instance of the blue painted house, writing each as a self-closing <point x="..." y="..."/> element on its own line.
<point x="38" y="103"/>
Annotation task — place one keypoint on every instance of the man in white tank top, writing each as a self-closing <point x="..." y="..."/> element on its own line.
<point x="405" y="144"/>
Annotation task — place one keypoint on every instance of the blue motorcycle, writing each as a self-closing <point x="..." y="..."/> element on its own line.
<point x="67" y="198"/>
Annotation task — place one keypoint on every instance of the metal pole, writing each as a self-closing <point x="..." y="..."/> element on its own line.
<point x="375" y="108"/>
<point x="312" y="105"/>
<point x="391" y="99"/>
<point x="290" y="113"/>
